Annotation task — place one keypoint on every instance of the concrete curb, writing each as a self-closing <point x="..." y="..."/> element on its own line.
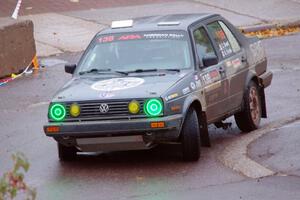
<point x="272" y="25"/>
<point x="235" y="155"/>
<point x="17" y="45"/>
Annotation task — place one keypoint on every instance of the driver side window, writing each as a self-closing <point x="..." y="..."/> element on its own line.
<point x="203" y="44"/>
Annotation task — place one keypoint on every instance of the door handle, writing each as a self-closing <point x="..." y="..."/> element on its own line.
<point x="244" y="59"/>
<point x="221" y="69"/>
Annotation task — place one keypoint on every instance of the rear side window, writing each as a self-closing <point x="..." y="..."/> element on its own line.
<point x="203" y="44"/>
<point x="232" y="40"/>
<point x="220" y="38"/>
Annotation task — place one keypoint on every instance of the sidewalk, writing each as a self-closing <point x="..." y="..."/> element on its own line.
<point x="57" y="32"/>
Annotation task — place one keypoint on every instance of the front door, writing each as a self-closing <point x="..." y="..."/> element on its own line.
<point x="213" y="77"/>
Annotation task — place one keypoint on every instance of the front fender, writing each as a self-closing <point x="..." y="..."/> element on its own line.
<point x="192" y="99"/>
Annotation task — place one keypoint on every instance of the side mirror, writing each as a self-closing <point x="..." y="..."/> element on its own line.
<point x="210" y="60"/>
<point x="70" y="68"/>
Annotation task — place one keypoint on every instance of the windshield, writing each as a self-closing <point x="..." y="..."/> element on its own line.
<point x="125" y="52"/>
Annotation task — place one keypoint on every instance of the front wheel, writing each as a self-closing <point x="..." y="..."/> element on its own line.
<point x="66" y="153"/>
<point x="190" y="137"/>
<point x="249" y="118"/>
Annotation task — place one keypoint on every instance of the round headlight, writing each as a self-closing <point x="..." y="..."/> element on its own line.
<point x="74" y="110"/>
<point x="153" y="107"/>
<point x="57" y="112"/>
<point x="134" y="107"/>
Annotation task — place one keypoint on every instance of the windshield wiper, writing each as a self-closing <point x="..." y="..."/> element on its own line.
<point x="142" y="70"/>
<point x="151" y="70"/>
<point x="94" y="70"/>
<point x="97" y="71"/>
<point x="175" y="70"/>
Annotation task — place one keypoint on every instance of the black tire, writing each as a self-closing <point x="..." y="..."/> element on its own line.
<point x="249" y="118"/>
<point x="66" y="153"/>
<point x="190" y="137"/>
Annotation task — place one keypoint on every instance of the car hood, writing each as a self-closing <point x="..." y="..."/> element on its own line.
<point x="95" y="88"/>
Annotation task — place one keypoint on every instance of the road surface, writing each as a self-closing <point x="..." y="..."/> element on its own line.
<point x="154" y="174"/>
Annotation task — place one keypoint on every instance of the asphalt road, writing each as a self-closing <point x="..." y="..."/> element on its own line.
<point x="154" y="174"/>
<point x="279" y="150"/>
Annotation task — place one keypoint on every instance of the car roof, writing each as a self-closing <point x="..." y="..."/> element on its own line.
<point x="151" y="23"/>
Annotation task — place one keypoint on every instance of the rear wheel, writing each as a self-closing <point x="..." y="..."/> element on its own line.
<point x="249" y="118"/>
<point x="66" y="153"/>
<point x="190" y="137"/>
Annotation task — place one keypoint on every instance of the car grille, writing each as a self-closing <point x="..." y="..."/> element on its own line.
<point x="89" y="111"/>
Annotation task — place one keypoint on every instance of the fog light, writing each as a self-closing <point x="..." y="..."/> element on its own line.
<point x="153" y="107"/>
<point x="74" y="110"/>
<point x="57" y="112"/>
<point x="134" y="107"/>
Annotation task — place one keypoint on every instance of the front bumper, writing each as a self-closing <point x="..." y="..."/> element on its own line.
<point x="110" y="128"/>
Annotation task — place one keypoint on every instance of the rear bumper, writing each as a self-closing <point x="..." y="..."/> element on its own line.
<point x="111" y="128"/>
<point x="266" y="78"/>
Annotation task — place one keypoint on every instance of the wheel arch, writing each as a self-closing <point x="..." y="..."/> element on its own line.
<point x="194" y="102"/>
<point x="253" y="77"/>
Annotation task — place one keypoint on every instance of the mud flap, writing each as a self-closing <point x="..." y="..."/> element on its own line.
<point x="205" y="141"/>
<point x="263" y="103"/>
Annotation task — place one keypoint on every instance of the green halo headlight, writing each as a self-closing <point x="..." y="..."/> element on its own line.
<point x="57" y="112"/>
<point x="153" y="107"/>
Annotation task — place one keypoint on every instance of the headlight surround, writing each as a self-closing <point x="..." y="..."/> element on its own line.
<point x="153" y="107"/>
<point x="57" y="112"/>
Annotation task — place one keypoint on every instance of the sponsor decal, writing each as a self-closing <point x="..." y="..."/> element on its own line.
<point x="225" y="49"/>
<point x="106" y="39"/>
<point x="163" y="36"/>
<point x="126" y="37"/>
<point x="115" y="84"/>
<point x="206" y="78"/>
<point x="193" y="85"/>
<point x="220" y="35"/>
<point x="198" y="83"/>
<point x="257" y="51"/>
<point x="111" y="38"/>
<point x="214" y="74"/>
<point x="186" y="90"/>
<point x="228" y="63"/>
<point x="106" y="94"/>
<point x="211" y="77"/>
<point x="130" y="37"/>
<point x="236" y="63"/>
<point x="171" y="96"/>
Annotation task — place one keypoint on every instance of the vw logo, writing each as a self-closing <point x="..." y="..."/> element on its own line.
<point x="103" y="108"/>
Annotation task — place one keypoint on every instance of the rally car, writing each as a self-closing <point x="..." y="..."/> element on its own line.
<point x="159" y="79"/>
